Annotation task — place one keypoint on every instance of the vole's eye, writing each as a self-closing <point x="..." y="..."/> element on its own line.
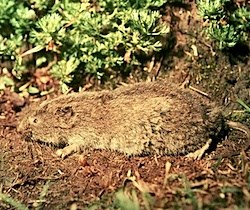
<point x="33" y="120"/>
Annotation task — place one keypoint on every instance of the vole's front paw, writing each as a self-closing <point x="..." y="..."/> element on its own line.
<point x="68" y="150"/>
<point x="61" y="153"/>
<point x="197" y="155"/>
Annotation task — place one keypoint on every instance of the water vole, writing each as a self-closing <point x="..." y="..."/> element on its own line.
<point x="145" y="118"/>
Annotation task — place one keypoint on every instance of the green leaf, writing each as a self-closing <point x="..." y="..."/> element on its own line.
<point x="41" y="60"/>
<point x="242" y="103"/>
<point x="5" y="82"/>
<point x="126" y="202"/>
<point x="64" y="87"/>
<point x="63" y="69"/>
<point x="16" y="204"/>
<point x="33" y="90"/>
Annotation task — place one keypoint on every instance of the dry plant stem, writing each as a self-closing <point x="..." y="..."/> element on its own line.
<point x="242" y="128"/>
<point x="198" y="91"/>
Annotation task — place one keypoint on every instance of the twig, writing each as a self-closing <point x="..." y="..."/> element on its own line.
<point x="198" y="91"/>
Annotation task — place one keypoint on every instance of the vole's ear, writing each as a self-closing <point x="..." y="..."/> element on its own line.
<point x="65" y="111"/>
<point x="65" y="116"/>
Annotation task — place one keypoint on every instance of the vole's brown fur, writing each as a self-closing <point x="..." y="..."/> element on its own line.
<point x="156" y="118"/>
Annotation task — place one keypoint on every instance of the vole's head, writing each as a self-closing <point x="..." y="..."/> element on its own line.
<point x="47" y="123"/>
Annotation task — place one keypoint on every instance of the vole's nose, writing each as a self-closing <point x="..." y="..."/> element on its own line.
<point x="24" y="124"/>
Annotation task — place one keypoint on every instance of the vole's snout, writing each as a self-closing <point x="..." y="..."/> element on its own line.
<point x="25" y="124"/>
<point x="21" y="126"/>
<point x="19" y="129"/>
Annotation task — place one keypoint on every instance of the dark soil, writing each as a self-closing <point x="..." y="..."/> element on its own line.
<point x="94" y="177"/>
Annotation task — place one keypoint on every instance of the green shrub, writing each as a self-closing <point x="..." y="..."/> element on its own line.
<point x="85" y="37"/>
<point x="228" y="23"/>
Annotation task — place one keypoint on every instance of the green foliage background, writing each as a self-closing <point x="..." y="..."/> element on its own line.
<point x="228" y="23"/>
<point x="83" y="36"/>
<point x="102" y="38"/>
